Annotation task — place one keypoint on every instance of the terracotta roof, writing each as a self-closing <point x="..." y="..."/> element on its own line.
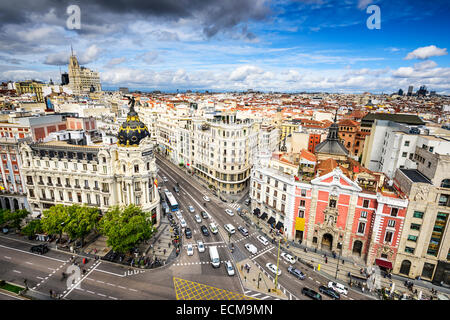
<point x="305" y="154"/>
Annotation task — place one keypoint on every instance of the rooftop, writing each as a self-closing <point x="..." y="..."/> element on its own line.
<point x="415" y="176"/>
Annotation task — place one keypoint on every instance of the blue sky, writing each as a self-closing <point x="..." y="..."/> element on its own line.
<point x="281" y="45"/>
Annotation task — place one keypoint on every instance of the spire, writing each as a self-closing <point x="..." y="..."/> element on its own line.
<point x="71" y="49"/>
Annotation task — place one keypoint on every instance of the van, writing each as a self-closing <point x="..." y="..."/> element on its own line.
<point x="229" y="227"/>
<point x="214" y="256"/>
<point x="340" y="288"/>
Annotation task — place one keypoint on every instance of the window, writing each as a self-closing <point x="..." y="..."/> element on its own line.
<point x="302" y="203"/>
<point x="409" y="250"/>
<point x="391" y="223"/>
<point x="404" y="154"/>
<point x="303" y="193"/>
<point x="84" y="166"/>
<point x="418" y="214"/>
<point x="394" y="212"/>
<point x="301" y="213"/>
<point x="79" y="197"/>
<point x="366" y="203"/>
<point x="361" y="227"/>
<point x="283" y="197"/>
<point x="332" y="203"/>
<point x="364" y="214"/>
<point x="136" y="168"/>
<point x="105" y="201"/>
<point x="388" y="236"/>
<point x="412" y="238"/>
<point x="415" y="226"/>
<point x="406" y="143"/>
<point x="444" y="200"/>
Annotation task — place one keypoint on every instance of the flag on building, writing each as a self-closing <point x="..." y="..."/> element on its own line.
<point x="156" y="183"/>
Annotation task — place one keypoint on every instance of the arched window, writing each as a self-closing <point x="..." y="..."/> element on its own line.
<point x="445" y="183"/>
<point x="405" y="267"/>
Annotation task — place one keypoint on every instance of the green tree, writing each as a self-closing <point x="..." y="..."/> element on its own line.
<point x="125" y="227"/>
<point x="3" y="212"/>
<point x="81" y="221"/>
<point x="33" y="227"/>
<point x="14" y="218"/>
<point x="55" y="219"/>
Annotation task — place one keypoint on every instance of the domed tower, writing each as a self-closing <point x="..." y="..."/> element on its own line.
<point x="136" y="167"/>
<point x="132" y="131"/>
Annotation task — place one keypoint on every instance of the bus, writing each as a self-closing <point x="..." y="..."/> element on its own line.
<point x="171" y="201"/>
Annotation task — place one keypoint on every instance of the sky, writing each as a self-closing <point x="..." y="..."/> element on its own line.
<point x="232" y="45"/>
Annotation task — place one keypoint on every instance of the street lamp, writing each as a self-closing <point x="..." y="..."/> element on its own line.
<point x="339" y="258"/>
<point x="278" y="262"/>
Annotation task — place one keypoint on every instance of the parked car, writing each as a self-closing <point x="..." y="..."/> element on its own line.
<point x="40" y="249"/>
<point x="263" y="240"/>
<point x="243" y="231"/>
<point x="200" y="246"/>
<point x="206" y="198"/>
<point x="251" y="248"/>
<point x="311" y="293"/>
<point x="165" y="179"/>
<point x="296" y="273"/>
<point x="197" y="218"/>
<point x="288" y="257"/>
<point x="338" y="287"/>
<point x="188" y="233"/>
<point x="329" y="292"/>
<point x="273" y="268"/>
<point x="204" y="214"/>
<point x="176" y="189"/>
<point x="229" y="267"/>
<point x="183" y="223"/>
<point x="213" y="228"/>
<point x="190" y="250"/>
<point x="191" y="209"/>
<point x="229" y="212"/>
<point x="247" y="201"/>
<point x="204" y="230"/>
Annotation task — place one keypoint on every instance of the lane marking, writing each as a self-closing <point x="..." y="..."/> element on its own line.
<point x="16" y="271"/>
<point x="34" y="254"/>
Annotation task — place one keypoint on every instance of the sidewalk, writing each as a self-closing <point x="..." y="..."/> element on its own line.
<point x="344" y="265"/>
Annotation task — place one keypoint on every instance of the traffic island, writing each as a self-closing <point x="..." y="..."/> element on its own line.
<point x="257" y="279"/>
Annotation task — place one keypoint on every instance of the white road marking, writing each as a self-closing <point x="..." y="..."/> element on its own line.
<point x="7" y="257"/>
<point x="16" y="271"/>
<point x="34" y="254"/>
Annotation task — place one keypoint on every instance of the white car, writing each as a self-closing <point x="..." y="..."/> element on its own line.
<point x="183" y="223"/>
<point x="263" y="240"/>
<point x="230" y="228"/>
<point x="338" y="287"/>
<point x="229" y="267"/>
<point x="179" y="215"/>
<point x="213" y="228"/>
<point x="191" y="209"/>
<point x="273" y="268"/>
<point x="229" y="212"/>
<point x="190" y="250"/>
<point x="197" y="218"/>
<point x="165" y="179"/>
<point x="206" y="198"/>
<point x="251" y="248"/>
<point x="288" y="257"/>
<point x="200" y="246"/>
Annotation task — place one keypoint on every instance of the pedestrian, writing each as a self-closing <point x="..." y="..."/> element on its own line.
<point x="326" y="260"/>
<point x="343" y="261"/>
<point x="315" y="250"/>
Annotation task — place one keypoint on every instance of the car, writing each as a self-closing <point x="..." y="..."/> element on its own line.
<point x="311" y="293"/>
<point x="263" y="240"/>
<point x="251" y="248"/>
<point x="204" y="230"/>
<point x="179" y="215"/>
<point x="229" y="212"/>
<point x="188" y="233"/>
<point x="273" y="268"/>
<point x="288" y="257"/>
<point x="40" y="249"/>
<point x="204" y="214"/>
<point x="338" y="287"/>
<point x="329" y="292"/>
<point x="176" y="189"/>
<point x="165" y="179"/>
<point x="200" y="246"/>
<point x="230" y="228"/>
<point x="296" y="273"/>
<point x="183" y="223"/>
<point x="190" y="250"/>
<point x="191" y="209"/>
<point x="197" y="218"/>
<point x="247" y="201"/>
<point x="229" y="267"/>
<point x="243" y="231"/>
<point x="213" y="228"/>
<point x="206" y="198"/>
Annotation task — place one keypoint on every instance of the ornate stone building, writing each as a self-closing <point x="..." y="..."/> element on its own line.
<point x="82" y="80"/>
<point x="97" y="175"/>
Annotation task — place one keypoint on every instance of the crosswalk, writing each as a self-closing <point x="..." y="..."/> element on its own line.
<point x="259" y="295"/>
<point x="234" y="206"/>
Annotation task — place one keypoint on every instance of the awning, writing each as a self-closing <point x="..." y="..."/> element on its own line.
<point x="256" y="211"/>
<point x="263" y="216"/>
<point x="279" y="225"/>
<point x="383" y="263"/>
<point x="271" y="220"/>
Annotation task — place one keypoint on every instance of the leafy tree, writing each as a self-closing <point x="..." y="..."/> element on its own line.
<point x="3" y="212"/>
<point x="14" y="218"/>
<point x="55" y="219"/>
<point x="33" y="227"/>
<point x="125" y="227"/>
<point x="81" y="221"/>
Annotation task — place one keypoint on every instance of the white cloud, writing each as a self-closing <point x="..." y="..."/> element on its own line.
<point x="426" y="52"/>
<point x="241" y="73"/>
<point x="115" y="61"/>
<point x="362" y="4"/>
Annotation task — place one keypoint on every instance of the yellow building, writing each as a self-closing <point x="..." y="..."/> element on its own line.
<point x="31" y="86"/>
<point x="82" y="80"/>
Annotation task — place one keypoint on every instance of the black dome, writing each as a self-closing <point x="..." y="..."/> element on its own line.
<point x="132" y="131"/>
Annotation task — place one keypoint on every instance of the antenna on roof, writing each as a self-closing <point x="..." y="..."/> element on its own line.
<point x="71" y="49"/>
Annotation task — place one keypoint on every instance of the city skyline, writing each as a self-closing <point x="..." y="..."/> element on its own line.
<point x="286" y="46"/>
